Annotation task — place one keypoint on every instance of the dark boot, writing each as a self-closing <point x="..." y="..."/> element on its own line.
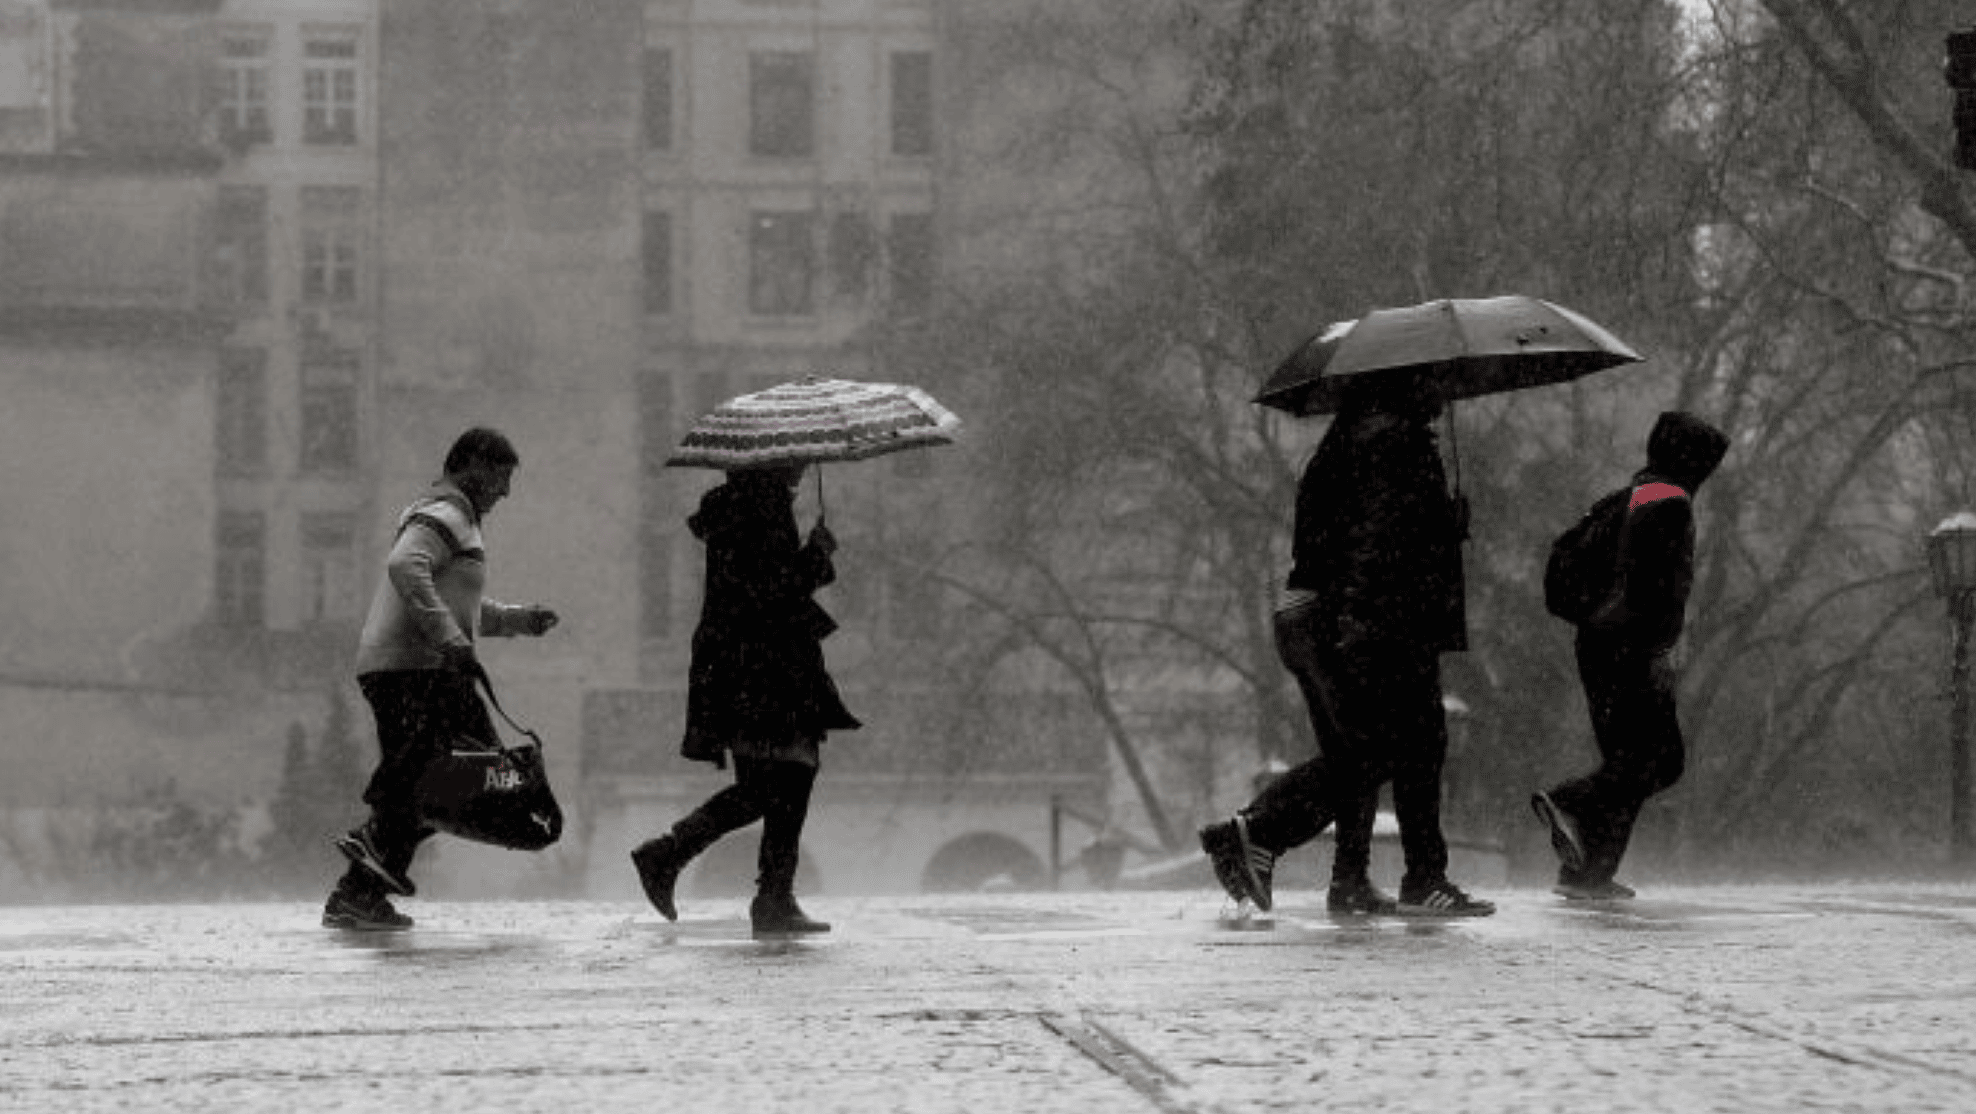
<point x="777" y="914"/>
<point x="658" y="862"/>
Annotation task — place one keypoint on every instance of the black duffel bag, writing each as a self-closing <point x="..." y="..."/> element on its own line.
<point x="491" y="793"/>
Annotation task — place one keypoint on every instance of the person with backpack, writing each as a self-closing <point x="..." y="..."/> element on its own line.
<point x="1622" y="576"/>
<point x="416" y="667"/>
<point x="1374" y="596"/>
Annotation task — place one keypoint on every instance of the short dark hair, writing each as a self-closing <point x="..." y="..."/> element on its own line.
<point x="480" y="445"/>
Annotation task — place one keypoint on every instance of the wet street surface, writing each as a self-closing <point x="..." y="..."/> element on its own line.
<point x="1732" y="999"/>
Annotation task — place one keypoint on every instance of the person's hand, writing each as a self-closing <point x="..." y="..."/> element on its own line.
<point x="538" y="620"/>
<point x="460" y="658"/>
<point x="824" y="541"/>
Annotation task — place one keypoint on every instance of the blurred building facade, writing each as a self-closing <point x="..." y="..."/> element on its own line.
<point x="261" y="260"/>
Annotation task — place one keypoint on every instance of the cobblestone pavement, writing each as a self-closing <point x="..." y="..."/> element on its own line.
<point x="1760" y="999"/>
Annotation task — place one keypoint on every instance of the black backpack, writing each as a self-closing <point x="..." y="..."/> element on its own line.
<point x="1584" y="560"/>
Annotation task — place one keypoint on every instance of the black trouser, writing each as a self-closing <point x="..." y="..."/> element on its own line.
<point x="1378" y="717"/>
<point x="1630" y="694"/>
<point x="419" y="713"/>
<point x="775" y="792"/>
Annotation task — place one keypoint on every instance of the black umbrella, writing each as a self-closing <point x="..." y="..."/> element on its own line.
<point x="1466" y="346"/>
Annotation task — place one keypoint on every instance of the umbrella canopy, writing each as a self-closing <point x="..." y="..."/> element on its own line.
<point x="1470" y="346"/>
<point x="815" y="421"/>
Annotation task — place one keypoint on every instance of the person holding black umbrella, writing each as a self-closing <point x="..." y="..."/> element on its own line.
<point x="1374" y="597"/>
<point x="1375" y="593"/>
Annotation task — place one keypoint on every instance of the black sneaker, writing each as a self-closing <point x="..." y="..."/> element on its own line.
<point x="658" y="864"/>
<point x="1441" y="899"/>
<point x="358" y="847"/>
<point x="1565" y="839"/>
<point x="1359" y="899"/>
<point x="1607" y="890"/>
<point x="351" y="914"/>
<point x="1224" y="848"/>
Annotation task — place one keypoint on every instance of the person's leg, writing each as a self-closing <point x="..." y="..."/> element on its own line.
<point x="402" y="705"/>
<point x="1419" y="745"/>
<point x="1357" y="761"/>
<point x="659" y="861"/>
<point x="1294" y="808"/>
<point x="784" y="788"/>
<point x="1649" y="759"/>
<point x="1640" y="752"/>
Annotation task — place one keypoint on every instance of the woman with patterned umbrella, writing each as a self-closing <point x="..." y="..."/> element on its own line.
<point x="757" y="688"/>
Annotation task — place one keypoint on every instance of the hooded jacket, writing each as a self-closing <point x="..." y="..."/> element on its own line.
<point x="1657" y="542"/>
<point x="758" y="669"/>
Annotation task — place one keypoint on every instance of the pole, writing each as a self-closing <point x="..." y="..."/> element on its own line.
<point x="1963" y="611"/>
<point x="1056" y="840"/>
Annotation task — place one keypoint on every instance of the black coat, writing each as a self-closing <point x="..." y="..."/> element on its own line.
<point x="1657" y="544"/>
<point x="758" y="670"/>
<point x="1377" y="538"/>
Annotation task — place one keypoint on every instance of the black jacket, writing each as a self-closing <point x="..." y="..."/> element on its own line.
<point x="1657" y="543"/>
<point x="758" y="669"/>
<point x="1376" y="536"/>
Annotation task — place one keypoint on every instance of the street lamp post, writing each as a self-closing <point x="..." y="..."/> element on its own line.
<point x="1952" y="565"/>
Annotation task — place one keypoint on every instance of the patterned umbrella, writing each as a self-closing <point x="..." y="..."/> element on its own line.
<point x="815" y="421"/>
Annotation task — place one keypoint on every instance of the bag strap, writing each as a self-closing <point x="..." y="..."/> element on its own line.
<point x="487" y="683"/>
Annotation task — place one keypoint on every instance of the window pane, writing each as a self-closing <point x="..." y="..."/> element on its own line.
<point x="240" y="412"/>
<point x="329" y="567"/>
<point x="781" y="116"/>
<point x="657" y="250"/>
<point x="912" y="103"/>
<point x="853" y="250"/>
<point x="329" y="413"/>
<point x="243" y="108"/>
<point x="239" y="557"/>
<point x="331" y="227"/>
<point x="910" y="245"/>
<point x="658" y="99"/>
<point x="329" y="90"/>
<point x="781" y="264"/>
<point x="238" y="267"/>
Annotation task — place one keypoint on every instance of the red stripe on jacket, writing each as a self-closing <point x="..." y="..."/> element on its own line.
<point x="1654" y="493"/>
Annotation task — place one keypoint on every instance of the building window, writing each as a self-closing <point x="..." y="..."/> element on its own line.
<point x="329" y="568"/>
<point x="240" y="408"/>
<point x="912" y="103"/>
<point x="25" y="120"/>
<point x="329" y="412"/>
<point x="658" y="99"/>
<point x="239" y="261"/>
<point x="909" y="246"/>
<point x="781" y="265"/>
<point x="782" y="116"/>
<point x="852" y="251"/>
<point x="656" y="247"/>
<point x="331" y="225"/>
<point x="243" y="107"/>
<point x="329" y="89"/>
<point x="240" y="559"/>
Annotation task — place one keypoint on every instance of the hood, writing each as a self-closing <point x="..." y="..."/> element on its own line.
<point x="742" y="499"/>
<point x="1685" y="449"/>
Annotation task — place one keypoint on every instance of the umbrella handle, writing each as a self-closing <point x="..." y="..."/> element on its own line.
<point x="1454" y="451"/>
<point x="819" y="493"/>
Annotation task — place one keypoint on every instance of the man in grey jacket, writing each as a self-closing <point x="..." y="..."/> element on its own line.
<point x="416" y="667"/>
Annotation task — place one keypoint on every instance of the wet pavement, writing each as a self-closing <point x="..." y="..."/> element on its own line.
<point x="1733" y="999"/>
